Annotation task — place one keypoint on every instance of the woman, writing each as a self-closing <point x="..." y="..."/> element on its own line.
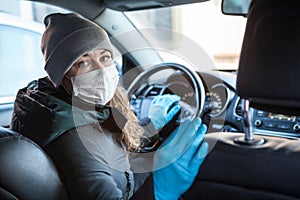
<point x="81" y="117"/>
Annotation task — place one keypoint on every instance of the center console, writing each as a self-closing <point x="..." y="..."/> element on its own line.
<point x="276" y="124"/>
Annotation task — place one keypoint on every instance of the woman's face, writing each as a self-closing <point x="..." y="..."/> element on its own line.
<point x="91" y="61"/>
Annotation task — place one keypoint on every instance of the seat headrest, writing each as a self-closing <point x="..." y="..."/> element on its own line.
<point x="269" y="68"/>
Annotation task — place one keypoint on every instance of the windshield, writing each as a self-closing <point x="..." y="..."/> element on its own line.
<point x="220" y="36"/>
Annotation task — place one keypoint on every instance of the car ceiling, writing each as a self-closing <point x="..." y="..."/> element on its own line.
<point x="93" y="8"/>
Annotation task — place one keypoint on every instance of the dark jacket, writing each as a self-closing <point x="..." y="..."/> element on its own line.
<point x="82" y="141"/>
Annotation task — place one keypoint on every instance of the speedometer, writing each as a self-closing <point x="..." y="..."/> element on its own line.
<point x="217" y="99"/>
<point x="216" y="103"/>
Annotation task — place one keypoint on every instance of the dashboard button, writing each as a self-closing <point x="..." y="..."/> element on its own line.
<point x="257" y="123"/>
<point x="296" y="127"/>
<point x="261" y="113"/>
<point x="284" y="126"/>
<point x="270" y="125"/>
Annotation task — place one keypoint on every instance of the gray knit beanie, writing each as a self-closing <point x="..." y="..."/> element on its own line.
<point x="68" y="37"/>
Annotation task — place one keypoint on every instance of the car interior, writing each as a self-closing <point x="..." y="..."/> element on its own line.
<point x="252" y="113"/>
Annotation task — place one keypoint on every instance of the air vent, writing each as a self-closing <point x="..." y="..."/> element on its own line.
<point x="239" y="109"/>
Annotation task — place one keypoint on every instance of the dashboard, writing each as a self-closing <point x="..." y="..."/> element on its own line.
<point x="222" y="109"/>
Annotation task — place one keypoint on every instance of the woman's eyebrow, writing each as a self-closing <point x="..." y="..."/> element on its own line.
<point x="101" y="53"/>
<point x="104" y="51"/>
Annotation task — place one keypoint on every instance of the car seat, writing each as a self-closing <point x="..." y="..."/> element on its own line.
<point x="247" y="166"/>
<point x="26" y="171"/>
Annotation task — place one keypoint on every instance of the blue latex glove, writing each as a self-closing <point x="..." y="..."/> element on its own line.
<point x="177" y="161"/>
<point x="161" y="110"/>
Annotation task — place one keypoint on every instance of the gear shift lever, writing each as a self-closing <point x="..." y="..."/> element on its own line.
<point x="248" y="139"/>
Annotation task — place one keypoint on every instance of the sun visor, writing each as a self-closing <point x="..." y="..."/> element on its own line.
<point x="130" y="5"/>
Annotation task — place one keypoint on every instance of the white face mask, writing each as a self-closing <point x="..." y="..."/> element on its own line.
<point x="98" y="86"/>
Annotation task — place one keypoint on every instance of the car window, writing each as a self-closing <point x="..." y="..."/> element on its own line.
<point x="20" y="58"/>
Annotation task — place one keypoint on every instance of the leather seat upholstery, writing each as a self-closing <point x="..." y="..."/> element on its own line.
<point x="26" y="172"/>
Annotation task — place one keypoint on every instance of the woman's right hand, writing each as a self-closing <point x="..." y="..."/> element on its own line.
<point x="177" y="161"/>
<point x="162" y="109"/>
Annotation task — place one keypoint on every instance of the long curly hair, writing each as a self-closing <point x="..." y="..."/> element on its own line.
<point x="132" y="133"/>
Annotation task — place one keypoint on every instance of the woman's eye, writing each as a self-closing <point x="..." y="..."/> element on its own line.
<point x="105" y="58"/>
<point x="83" y="64"/>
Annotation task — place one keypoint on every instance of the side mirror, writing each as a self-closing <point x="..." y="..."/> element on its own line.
<point x="235" y="7"/>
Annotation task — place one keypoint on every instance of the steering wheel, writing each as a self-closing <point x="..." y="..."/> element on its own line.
<point x="180" y="79"/>
<point x="192" y="78"/>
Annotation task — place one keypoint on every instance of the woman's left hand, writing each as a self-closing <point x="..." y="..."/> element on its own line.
<point x="177" y="161"/>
